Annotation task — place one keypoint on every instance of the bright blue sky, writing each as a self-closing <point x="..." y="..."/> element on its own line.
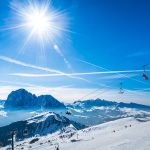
<point x="112" y="34"/>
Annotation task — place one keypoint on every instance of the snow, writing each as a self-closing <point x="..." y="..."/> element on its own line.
<point x="41" y="117"/>
<point x="97" y="115"/>
<point x="121" y="134"/>
<point x="3" y="113"/>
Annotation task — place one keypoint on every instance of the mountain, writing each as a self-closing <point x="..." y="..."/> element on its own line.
<point x="100" y="103"/>
<point x="48" y="101"/>
<point x="41" y="125"/>
<point x="122" y="134"/>
<point x="93" y="112"/>
<point x="23" y="99"/>
<point x="2" y="104"/>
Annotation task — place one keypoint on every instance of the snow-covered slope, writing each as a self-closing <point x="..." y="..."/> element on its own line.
<point x="23" y="99"/>
<point x="123" y="134"/>
<point x="92" y="112"/>
<point x="41" y="124"/>
<point x="100" y="103"/>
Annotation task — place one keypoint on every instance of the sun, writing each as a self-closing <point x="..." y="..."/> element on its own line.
<point x="40" y="20"/>
<point x="41" y="25"/>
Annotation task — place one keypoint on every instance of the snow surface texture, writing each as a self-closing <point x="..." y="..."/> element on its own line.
<point x="42" y="124"/>
<point x="121" y="134"/>
<point x="93" y="112"/>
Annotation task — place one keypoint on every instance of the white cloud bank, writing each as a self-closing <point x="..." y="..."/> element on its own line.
<point x="68" y="94"/>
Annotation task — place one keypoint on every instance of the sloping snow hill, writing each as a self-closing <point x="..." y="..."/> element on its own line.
<point x="41" y="124"/>
<point x="122" y="134"/>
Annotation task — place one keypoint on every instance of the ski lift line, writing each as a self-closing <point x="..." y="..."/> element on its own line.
<point x="92" y="92"/>
<point x="134" y="92"/>
<point x="115" y="73"/>
<point x="101" y="72"/>
<point x="105" y="92"/>
<point x="102" y="93"/>
<point x="118" y="71"/>
<point x="134" y="79"/>
<point x="145" y="89"/>
<point x="96" y="91"/>
<point x="94" y="96"/>
<point x="110" y="90"/>
<point x="100" y="67"/>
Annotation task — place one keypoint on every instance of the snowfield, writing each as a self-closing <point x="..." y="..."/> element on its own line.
<point x="121" y="134"/>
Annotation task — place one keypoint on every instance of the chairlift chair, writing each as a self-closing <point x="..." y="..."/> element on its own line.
<point x="68" y="112"/>
<point x="144" y="75"/>
<point x="121" y="89"/>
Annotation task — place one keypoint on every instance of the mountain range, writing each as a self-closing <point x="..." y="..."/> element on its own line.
<point x="21" y="99"/>
<point x="81" y="114"/>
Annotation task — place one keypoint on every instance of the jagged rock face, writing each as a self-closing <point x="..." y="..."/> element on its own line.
<point x="41" y="124"/>
<point x="48" y="101"/>
<point x="20" y="98"/>
<point x="23" y="99"/>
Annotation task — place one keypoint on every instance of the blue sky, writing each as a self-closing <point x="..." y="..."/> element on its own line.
<point x="98" y="37"/>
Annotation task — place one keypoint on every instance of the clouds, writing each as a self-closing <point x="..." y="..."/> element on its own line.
<point x="70" y="94"/>
<point x="20" y="63"/>
<point x="85" y="73"/>
<point x="119" y="76"/>
<point x="140" y="53"/>
<point x="57" y="73"/>
<point x="17" y="62"/>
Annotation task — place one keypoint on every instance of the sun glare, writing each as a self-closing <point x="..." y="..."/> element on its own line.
<point x="41" y="21"/>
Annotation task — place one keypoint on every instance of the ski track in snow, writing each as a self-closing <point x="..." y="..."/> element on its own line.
<point x="121" y="134"/>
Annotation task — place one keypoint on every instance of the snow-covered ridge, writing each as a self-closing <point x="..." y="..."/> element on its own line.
<point x="93" y="112"/>
<point x="105" y="103"/>
<point x="122" y="134"/>
<point x="41" y="124"/>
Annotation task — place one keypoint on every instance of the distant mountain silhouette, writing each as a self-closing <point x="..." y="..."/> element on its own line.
<point x="105" y="103"/>
<point x="24" y="99"/>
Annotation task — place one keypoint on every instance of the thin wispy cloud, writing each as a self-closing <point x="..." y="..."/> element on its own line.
<point x="120" y="72"/>
<point x="91" y="64"/>
<point x="17" y="62"/>
<point x="118" y="76"/>
<point x="82" y="74"/>
<point x="140" y="53"/>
